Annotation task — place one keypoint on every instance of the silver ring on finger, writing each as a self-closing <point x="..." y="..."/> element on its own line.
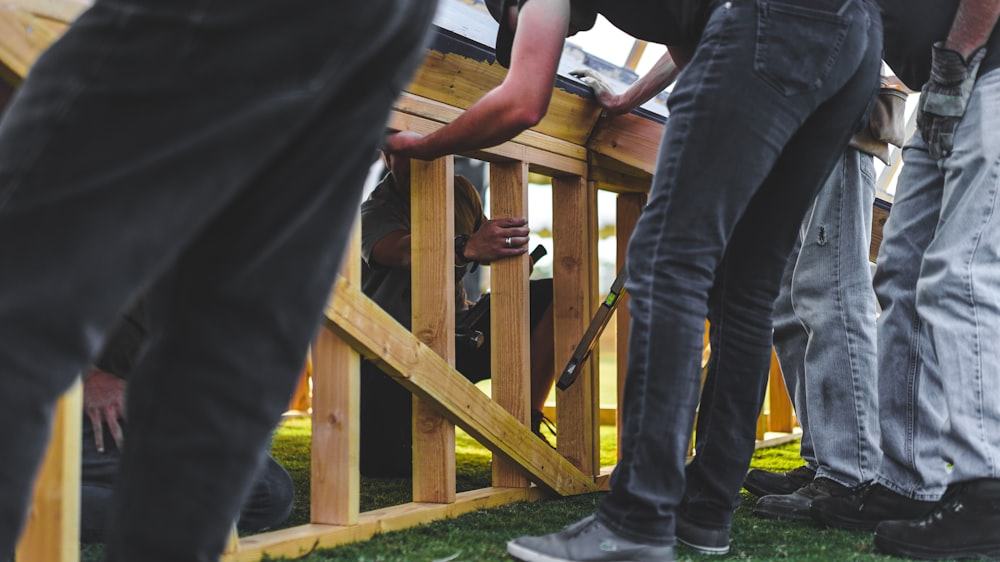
<point x="506" y="242"/>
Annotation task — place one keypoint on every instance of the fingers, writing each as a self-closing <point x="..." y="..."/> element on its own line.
<point x="95" y="421"/>
<point x="116" y="430"/>
<point x="509" y="222"/>
<point x="519" y="243"/>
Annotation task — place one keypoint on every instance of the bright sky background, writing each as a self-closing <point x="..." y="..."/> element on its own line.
<point x="613" y="45"/>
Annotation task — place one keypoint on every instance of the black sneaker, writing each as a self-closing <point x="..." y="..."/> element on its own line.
<point x="866" y="506"/>
<point x="765" y="483"/>
<point x="795" y="506"/>
<point x="702" y="539"/>
<point x="964" y="524"/>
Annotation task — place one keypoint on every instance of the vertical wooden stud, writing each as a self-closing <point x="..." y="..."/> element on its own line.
<point x="509" y="319"/>
<point x="432" y="219"/>
<point x="52" y="530"/>
<point x="336" y="417"/>
<point x="574" y="232"/>
<point x="780" y="419"/>
<point x="628" y="211"/>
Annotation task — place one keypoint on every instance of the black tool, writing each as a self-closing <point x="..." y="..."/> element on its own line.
<point x="593" y="332"/>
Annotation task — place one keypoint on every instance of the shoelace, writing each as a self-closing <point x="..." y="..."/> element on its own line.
<point x="949" y="502"/>
<point x="864" y="490"/>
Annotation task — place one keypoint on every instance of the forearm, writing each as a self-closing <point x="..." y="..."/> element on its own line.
<point x="518" y="103"/>
<point x="492" y="120"/>
<point x="393" y="250"/>
<point x="663" y="73"/>
<point x="974" y="22"/>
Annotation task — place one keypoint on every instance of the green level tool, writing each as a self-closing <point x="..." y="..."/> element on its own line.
<point x="594" y="331"/>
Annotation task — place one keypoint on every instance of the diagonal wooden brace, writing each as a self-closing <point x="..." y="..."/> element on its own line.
<point x="375" y="335"/>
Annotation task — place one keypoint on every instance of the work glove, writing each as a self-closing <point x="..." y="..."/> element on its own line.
<point x="944" y="97"/>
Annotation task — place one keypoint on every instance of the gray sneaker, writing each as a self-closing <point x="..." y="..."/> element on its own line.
<point x="587" y="540"/>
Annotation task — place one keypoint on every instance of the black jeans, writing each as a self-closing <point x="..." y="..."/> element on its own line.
<point x="267" y="505"/>
<point x="213" y="152"/>
<point x="757" y="120"/>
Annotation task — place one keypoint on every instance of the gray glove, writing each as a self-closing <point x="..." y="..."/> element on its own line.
<point x="944" y="97"/>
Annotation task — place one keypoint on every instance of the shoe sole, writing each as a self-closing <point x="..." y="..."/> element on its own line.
<point x="896" y="548"/>
<point x="712" y="550"/>
<point x="766" y="513"/>
<point x="846" y="523"/>
<point x="528" y="555"/>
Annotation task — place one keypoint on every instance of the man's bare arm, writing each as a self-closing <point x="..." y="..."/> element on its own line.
<point x="518" y="103"/>
<point x="663" y="73"/>
<point x="974" y="22"/>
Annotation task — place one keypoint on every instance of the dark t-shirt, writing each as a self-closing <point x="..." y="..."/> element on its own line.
<point x="912" y="26"/>
<point x="668" y="22"/>
<point x="385" y="212"/>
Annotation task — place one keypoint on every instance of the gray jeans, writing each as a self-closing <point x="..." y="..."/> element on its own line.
<point x="824" y="327"/>
<point x="937" y="280"/>
<point x="212" y="153"/>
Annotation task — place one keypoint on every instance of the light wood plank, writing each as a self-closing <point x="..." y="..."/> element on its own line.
<point x="510" y="331"/>
<point x="233" y="542"/>
<point x="432" y="219"/>
<point x="460" y="81"/>
<point x="545" y="154"/>
<point x="372" y="332"/>
<point x="22" y="38"/>
<point x="635" y="55"/>
<point x="52" y="529"/>
<point x="296" y="542"/>
<point x="781" y="414"/>
<point x="574" y="231"/>
<point x="629" y="138"/>
<point x="336" y="419"/>
<point x="627" y="215"/>
<point x="59" y="10"/>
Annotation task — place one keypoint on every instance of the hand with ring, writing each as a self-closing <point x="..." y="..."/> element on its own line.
<point x="498" y="239"/>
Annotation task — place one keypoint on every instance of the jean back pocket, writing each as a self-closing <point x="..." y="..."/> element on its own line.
<point x="797" y="45"/>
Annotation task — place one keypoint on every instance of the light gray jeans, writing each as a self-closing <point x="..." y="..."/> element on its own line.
<point x="824" y="327"/>
<point x="938" y="281"/>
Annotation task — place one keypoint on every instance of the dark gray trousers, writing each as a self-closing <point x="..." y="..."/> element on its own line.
<point x="212" y="152"/>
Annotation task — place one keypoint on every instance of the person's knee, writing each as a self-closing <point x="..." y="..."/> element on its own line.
<point x="271" y="498"/>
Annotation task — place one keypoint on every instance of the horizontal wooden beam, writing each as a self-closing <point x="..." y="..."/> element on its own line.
<point x="373" y="333"/>
<point x="628" y="138"/>
<point x="459" y="80"/>
<point x="59" y="10"/>
<point x="22" y="38"/>
<point x="547" y="155"/>
<point x="296" y="542"/>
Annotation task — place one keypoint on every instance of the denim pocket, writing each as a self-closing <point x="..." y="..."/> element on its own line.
<point x="798" y="45"/>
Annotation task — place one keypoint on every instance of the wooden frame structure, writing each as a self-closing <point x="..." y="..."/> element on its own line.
<point x="582" y="151"/>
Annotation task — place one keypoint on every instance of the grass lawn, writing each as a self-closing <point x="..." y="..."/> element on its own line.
<point x="482" y="535"/>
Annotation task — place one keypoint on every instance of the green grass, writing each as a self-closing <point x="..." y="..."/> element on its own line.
<point x="482" y="535"/>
